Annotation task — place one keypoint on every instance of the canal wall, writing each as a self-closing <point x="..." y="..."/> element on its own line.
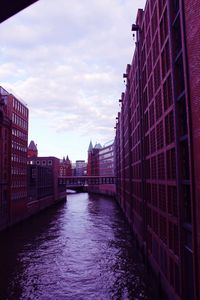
<point x="34" y="207"/>
<point x="103" y="189"/>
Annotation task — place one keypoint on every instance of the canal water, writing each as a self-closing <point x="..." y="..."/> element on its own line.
<point x="78" y="250"/>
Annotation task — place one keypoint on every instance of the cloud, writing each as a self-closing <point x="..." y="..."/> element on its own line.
<point x="66" y="60"/>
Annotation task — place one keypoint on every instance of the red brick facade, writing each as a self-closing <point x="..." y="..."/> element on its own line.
<point x="65" y="168"/>
<point x="21" y="193"/>
<point x="93" y="160"/>
<point x="17" y="113"/>
<point x="5" y="158"/>
<point x="158" y="144"/>
<point x="191" y="38"/>
<point x="32" y="150"/>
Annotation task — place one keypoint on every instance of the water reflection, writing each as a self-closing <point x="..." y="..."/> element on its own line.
<point x="79" y="250"/>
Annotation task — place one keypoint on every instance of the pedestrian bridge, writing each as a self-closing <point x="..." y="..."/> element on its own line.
<point x="79" y="181"/>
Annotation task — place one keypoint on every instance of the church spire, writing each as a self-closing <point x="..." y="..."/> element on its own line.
<point x="90" y="147"/>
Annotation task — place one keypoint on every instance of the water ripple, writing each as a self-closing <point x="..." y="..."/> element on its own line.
<point x="80" y="250"/>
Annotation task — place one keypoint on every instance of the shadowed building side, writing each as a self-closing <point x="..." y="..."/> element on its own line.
<point x="43" y="186"/>
<point x="158" y="143"/>
<point x="12" y="7"/>
<point x="5" y="166"/>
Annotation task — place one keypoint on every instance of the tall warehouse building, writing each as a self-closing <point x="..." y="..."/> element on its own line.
<point x="158" y="143"/>
<point x="5" y="155"/>
<point x="15" y="154"/>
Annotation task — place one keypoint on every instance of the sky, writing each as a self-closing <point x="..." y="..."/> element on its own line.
<point x="65" y="60"/>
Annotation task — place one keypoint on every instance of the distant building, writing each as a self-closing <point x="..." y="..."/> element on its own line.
<point x="101" y="163"/>
<point x="65" y="167"/>
<point x="43" y="173"/>
<point x="93" y="159"/>
<point x="32" y="150"/>
<point x="40" y="182"/>
<point x="106" y="159"/>
<point x="81" y="168"/>
<point x="89" y="162"/>
<point x="73" y="169"/>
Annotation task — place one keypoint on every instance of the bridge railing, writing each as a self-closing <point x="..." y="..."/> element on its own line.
<point x="86" y="180"/>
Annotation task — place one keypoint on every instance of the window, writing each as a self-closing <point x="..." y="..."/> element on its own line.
<point x="187" y="204"/>
<point x="165" y="60"/>
<point x="160" y="136"/>
<point x="171" y="164"/>
<point x="150" y="89"/>
<point x="154" y="22"/>
<point x="169" y="128"/>
<point x="149" y="64"/>
<point x="155" y="48"/>
<point x="153" y="168"/>
<point x="182" y="117"/>
<point x="179" y="77"/>
<point x="151" y="113"/>
<point x="161" y="166"/>
<point x="153" y="140"/>
<point x="161" y="5"/>
<point x="162" y="197"/>
<point x="167" y="93"/>
<point x="164" y="27"/>
<point x="157" y="76"/>
<point x="176" y="33"/>
<point x="172" y="200"/>
<point x="185" y="160"/>
<point x="163" y="229"/>
<point x="154" y="196"/>
<point x="158" y="105"/>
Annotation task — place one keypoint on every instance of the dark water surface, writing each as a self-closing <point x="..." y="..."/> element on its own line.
<point x="81" y="249"/>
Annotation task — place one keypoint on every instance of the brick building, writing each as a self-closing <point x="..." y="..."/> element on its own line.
<point x="23" y="190"/>
<point x="40" y="182"/>
<point x="32" y="150"/>
<point x="5" y="158"/>
<point x="106" y="159"/>
<point x="158" y="143"/>
<point x="65" y="167"/>
<point x="80" y="168"/>
<point x="106" y="167"/>
<point x="48" y="161"/>
<point x="101" y="163"/>
<point x="89" y="162"/>
<point x="93" y="159"/>
<point x="17" y="113"/>
<point x="43" y="187"/>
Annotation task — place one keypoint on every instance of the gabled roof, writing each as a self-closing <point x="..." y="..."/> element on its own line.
<point x="97" y="146"/>
<point x="32" y="146"/>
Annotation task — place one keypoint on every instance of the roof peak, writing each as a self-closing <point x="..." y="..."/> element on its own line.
<point x="97" y="146"/>
<point x="32" y="146"/>
<point x="90" y="146"/>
